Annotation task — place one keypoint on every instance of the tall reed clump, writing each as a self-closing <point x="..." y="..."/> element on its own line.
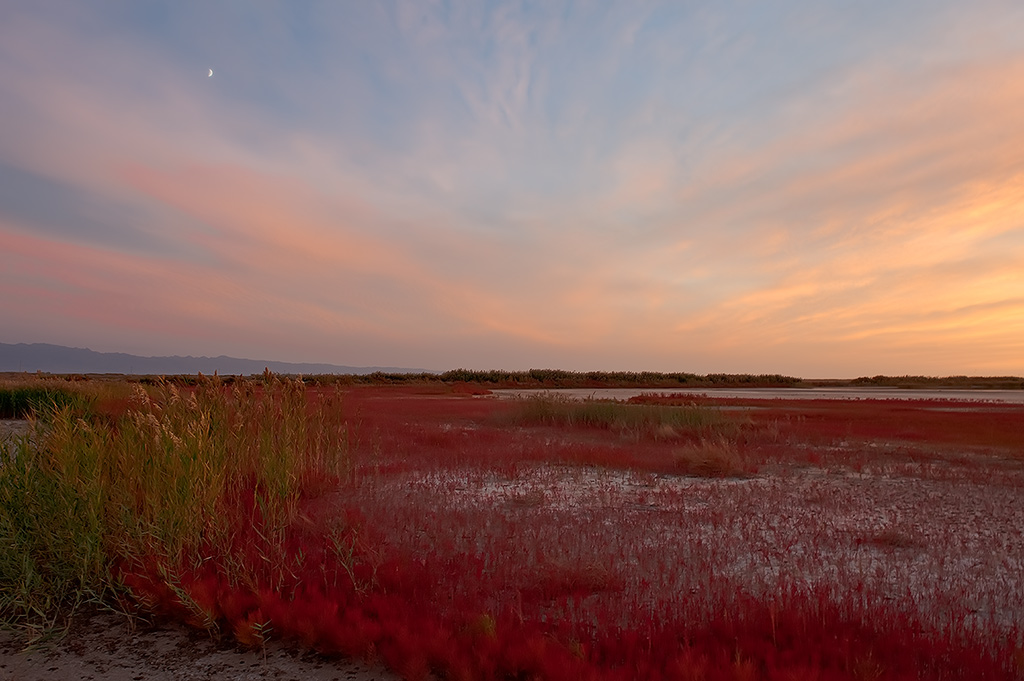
<point x="171" y="480"/>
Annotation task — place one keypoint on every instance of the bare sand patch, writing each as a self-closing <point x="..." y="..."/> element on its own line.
<point x="105" y="646"/>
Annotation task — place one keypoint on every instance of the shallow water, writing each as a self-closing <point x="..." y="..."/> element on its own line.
<point x="953" y="395"/>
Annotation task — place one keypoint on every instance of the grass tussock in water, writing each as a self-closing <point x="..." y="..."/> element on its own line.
<point x="658" y="421"/>
<point x="159" y="481"/>
<point x="20" y="399"/>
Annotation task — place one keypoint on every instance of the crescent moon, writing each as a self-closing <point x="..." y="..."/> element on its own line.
<point x="211" y="73"/>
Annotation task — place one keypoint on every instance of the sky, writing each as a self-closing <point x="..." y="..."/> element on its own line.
<point x="819" y="189"/>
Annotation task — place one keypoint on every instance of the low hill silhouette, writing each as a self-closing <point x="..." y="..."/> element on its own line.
<point x="59" y="359"/>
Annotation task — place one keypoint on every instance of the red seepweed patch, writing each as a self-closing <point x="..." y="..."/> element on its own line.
<point x="465" y="548"/>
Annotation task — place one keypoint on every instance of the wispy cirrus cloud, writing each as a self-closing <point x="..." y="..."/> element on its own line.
<point x="809" y="190"/>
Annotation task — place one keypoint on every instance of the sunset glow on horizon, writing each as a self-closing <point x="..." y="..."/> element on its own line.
<point x="812" y="189"/>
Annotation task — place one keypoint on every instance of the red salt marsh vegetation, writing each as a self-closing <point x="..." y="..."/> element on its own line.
<point x="451" y="535"/>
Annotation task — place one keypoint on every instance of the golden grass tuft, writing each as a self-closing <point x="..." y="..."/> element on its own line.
<point x="716" y="458"/>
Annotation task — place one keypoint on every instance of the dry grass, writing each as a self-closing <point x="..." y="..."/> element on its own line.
<point x="716" y="458"/>
<point x="89" y="490"/>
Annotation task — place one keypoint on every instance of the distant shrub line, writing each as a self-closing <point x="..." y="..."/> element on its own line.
<point x="973" y="382"/>
<point x="625" y="378"/>
<point x="532" y="378"/>
<point x="545" y="378"/>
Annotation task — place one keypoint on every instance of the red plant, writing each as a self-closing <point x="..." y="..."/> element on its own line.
<point x="464" y="549"/>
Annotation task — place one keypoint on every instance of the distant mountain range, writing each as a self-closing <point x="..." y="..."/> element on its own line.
<point x="58" y="359"/>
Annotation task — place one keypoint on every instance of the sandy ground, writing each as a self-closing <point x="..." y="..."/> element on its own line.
<point x="10" y="429"/>
<point x="104" y="647"/>
<point x="13" y="427"/>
